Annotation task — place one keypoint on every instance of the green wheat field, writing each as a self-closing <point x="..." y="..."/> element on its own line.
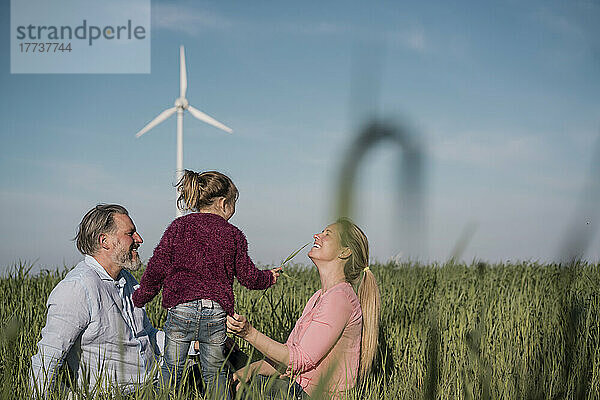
<point x="453" y="331"/>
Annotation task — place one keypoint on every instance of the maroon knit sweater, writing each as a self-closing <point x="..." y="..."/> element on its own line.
<point x="197" y="258"/>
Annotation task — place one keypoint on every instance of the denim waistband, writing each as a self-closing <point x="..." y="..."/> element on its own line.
<point x="204" y="303"/>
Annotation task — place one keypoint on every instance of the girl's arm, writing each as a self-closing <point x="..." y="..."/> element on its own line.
<point x="245" y="270"/>
<point x="157" y="268"/>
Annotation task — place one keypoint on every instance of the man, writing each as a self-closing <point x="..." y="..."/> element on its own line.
<point x="92" y="326"/>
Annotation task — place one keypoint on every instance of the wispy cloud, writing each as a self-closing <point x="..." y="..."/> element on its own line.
<point x="133" y="8"/>
<point x="74" y="174"/>
<point x="559" y="23"/>
<point x="576" y="28"/>
<point x="413" y="39"/>
<point x="534" y="158"/>
<point x="410" y="38"/>
<point x="91" y="181"/>
<point x="193" y="21"/>
<point x="190" y="20"/>
<point x="484" y="150"/>
<point x="313" y="28"/>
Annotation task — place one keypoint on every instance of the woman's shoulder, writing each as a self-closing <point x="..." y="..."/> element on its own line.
<point x="342" y="290"/>
<point x="343" y="297"/>
<point x="311" y="303"/>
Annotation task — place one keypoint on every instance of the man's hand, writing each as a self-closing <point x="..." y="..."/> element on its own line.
<point x="276" y="271"/>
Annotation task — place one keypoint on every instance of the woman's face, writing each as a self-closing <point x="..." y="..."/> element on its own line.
<point x="326" y="246"/>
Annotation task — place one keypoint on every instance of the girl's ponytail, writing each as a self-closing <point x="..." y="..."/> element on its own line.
<point x="197" y="191"/>
<point x="189" y="189"/>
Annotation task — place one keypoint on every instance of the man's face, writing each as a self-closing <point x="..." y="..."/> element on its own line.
<point x="125" y="243"/>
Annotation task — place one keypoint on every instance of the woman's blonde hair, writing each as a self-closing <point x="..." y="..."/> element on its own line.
<point x="200" y="190"/>
<point x="357" y="265"/>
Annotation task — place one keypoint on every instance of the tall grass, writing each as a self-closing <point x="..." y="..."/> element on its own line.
<point x="505" y="331"/>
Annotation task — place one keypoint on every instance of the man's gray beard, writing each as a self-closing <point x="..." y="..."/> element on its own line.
<point x="124" y="258"/>
<point x="132" y="265"/>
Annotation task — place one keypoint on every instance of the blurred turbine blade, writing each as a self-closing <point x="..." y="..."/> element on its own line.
<point x="365" y="86"/>
<point x="209" y="120"/>
<point x="581" y="230"/>
<point x="411" y="174"/>
<point x="182" y="73"/>
<point x="463" y="241"/>
<point x="160" y="118"/>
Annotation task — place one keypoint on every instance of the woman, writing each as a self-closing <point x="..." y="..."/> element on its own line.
<point x="336" y="336"/>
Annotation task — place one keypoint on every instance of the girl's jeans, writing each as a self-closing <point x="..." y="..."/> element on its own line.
<point x="204" y="321"/>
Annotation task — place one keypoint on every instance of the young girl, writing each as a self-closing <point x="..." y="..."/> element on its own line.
<point x="194" y="264"/>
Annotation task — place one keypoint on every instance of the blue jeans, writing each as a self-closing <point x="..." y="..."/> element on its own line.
<point x="204" y="321"/>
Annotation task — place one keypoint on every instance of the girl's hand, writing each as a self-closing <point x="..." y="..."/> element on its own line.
<point x="238" y="325"/>
<point x="276" y="271"/>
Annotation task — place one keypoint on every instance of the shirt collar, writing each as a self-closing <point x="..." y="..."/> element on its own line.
<point x="95" y="265"/>
<point x="121" y="282"/>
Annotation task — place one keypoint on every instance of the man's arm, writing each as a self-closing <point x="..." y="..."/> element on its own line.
<point x="157" y="337"/>
<point x="68" y="316"/>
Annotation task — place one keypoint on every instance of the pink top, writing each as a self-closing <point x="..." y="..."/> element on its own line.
<point x="327" y="335"/>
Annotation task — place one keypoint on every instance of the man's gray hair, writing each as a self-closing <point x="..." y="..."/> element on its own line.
<point x="99" y="220"/>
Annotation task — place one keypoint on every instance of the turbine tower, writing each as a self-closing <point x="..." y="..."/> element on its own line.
<point x="181" y="104"/>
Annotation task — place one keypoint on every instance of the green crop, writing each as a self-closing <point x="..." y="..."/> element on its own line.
<point x="507" y="331"/>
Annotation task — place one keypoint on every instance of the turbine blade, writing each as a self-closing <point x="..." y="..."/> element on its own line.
<point x="182" y="73"/>
<point x="160" y="118"/>
<point x="208" y="119"/>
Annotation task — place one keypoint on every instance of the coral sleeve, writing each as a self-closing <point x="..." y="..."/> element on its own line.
<point x="324" y="329"/>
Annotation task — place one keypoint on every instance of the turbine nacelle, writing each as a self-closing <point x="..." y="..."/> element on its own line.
<point x="181" y="102"/>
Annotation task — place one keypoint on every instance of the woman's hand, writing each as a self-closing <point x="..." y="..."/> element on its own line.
<point x="238" y="325"/>
<point x="242" y="375"/>
<point x="276" y="271"/>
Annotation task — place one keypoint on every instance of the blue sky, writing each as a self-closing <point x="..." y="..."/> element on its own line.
<point x="504" y="96"/>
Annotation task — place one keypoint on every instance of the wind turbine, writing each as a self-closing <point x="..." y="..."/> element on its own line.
<point x="181" y="104"/>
